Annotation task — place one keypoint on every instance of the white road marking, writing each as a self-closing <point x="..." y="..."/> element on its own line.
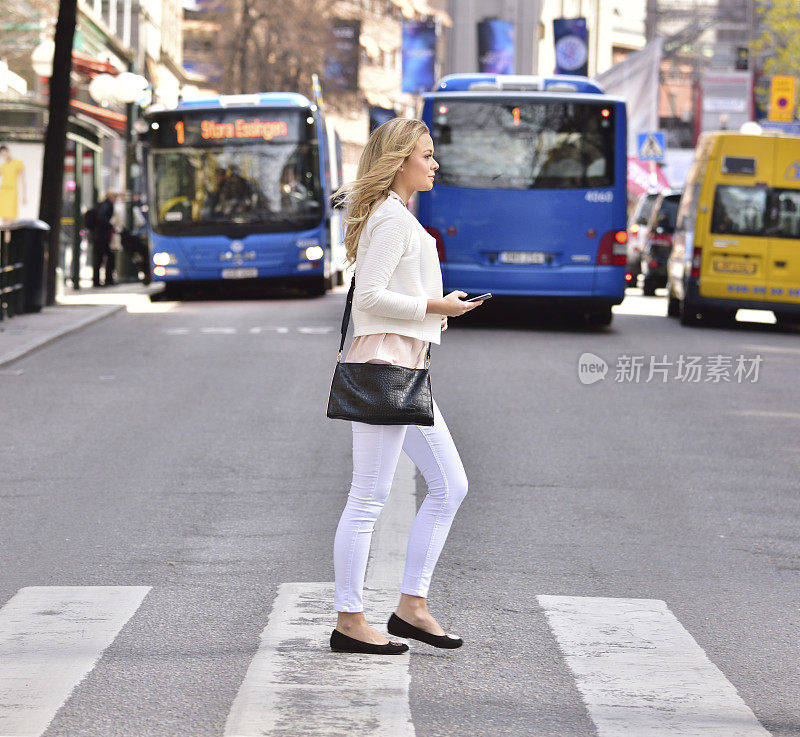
<point x="766" y="413"/>
<point x="50" y="638"/>
<point x="310" y="330"/>
<point x="257" y="330"/>
<point x="772" y="349"/>
<point x="641" y="673"/>
<point x="296" y="685"/>
<point x="280" y="330"/>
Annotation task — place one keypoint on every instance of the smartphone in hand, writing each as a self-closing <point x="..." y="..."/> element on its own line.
<point x="479" y="298"/>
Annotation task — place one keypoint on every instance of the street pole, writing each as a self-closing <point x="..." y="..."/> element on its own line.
<point x="55" y="142"/>
<point x="126" y="271"/>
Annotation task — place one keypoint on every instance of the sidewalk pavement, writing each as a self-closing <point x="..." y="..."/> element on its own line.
<point x="22" y="334"/>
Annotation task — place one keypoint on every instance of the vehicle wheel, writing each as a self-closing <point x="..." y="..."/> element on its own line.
<point x="787" y="319"/>
<point x="688" y="314"/>
<point x="172" y="291"/>
<point x="600" y="316"/>
<point x="317" y="286"/>
<point x="721" y="318"/>
<point x="673" y="307"/>
<point x="649" y="287"/>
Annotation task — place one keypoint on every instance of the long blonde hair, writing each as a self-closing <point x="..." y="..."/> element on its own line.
<point x="388" y="147"/>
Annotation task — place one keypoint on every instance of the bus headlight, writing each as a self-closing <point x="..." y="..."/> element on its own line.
<point x="314" y="253"/>
<point x="164" y="259"/>
<point x="159" y="271"/>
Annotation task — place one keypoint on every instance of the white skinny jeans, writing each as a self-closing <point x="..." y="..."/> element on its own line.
<point x="376" y="450"/>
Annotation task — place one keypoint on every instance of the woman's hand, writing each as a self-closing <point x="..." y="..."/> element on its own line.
<point x="451" y="305"/>
<point x="444" y="323"/>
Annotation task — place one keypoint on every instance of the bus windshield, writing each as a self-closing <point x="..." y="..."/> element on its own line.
<point x="232" y="187"/>
<point x="524" y="144"/>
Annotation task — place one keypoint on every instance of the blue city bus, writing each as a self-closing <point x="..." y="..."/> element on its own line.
<point x="239" y="188"/>
<point x="530" y="197"/>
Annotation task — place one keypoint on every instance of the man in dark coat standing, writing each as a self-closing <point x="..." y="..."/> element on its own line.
<point x="101" y="240"/>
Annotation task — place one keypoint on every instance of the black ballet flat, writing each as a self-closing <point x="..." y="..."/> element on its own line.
<point x="341" y="643"/>
<point x="400" y="628"/>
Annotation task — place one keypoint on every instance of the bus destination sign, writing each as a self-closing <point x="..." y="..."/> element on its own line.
<point x="211" y="128"/>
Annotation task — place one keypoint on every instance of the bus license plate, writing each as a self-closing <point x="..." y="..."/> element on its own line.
<point x="239" y="273"/>
<point x="523" y="257"/>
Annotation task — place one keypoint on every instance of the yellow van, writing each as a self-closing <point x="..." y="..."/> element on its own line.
<point x="737" y="237"/>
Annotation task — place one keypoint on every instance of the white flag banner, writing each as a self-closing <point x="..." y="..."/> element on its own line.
<point x="636" y="79"/>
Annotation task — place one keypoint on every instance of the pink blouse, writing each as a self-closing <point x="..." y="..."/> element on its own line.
<point x="391" y="348"/>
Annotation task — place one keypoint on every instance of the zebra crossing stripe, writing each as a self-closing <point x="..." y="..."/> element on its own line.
<point x="641" y="673"/>
<point x="295" y="685"/>
<point x="50" y="638"/>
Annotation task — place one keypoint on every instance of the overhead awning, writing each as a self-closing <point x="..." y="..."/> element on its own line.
<point x="110" y="118"/>
<point x="371" y="46"/>
<point x="645" y="176"/>
<point x="90" y="66"/>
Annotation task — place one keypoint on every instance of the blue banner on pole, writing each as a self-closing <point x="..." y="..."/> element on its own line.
<point x="496" y="46"/>
<point x="572" y="45"/>
<point x="419" y="56"/>
<point x="342" y="56"/>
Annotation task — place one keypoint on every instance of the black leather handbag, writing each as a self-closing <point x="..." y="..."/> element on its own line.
<point x="379" y="394"/>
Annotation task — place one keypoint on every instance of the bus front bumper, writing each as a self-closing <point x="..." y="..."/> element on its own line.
<point x="243" y="273"/>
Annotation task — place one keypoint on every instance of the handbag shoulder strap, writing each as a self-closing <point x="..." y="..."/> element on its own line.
<point x="346" y="317"/>
<point x="348" y="307"/>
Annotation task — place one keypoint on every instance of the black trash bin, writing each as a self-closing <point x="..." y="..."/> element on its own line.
<point x="29" y="236"/>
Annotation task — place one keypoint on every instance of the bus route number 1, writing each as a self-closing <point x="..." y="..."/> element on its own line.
<point x="179" y="131"/>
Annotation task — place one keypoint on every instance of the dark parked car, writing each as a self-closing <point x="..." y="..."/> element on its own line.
<point x="657" y="244"/>
<point x="636" y="231"/>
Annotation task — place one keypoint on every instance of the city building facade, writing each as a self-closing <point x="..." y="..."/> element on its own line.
<point x="112" y="37"/>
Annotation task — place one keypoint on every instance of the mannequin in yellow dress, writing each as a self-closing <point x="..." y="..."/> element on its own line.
<point x="12" y="180"/>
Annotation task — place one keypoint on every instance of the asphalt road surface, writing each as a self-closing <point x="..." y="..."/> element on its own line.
<point x="627" y="560"/>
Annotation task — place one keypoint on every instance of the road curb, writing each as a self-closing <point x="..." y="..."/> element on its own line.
<point x="48" y="336"/>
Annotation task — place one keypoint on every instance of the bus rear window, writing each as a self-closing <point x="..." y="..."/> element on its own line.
<point x="784" y="213"/>
<point x="524" y="144"/>
<point x="739" y="210"/>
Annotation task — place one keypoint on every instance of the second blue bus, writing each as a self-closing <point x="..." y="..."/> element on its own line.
<point x="530" y="197"/>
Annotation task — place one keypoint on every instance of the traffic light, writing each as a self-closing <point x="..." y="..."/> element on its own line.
<point x="742" y="58"/>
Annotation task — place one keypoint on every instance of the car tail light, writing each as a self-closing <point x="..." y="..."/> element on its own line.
<point x="653" y="264"/>
<point x="628" y="277"/>
<point x="612" y="250"/>
<point x="439" y="242"/>
<point x="696" y="262"/>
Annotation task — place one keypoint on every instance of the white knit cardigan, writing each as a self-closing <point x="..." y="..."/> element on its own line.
<point x="397" y="271"/>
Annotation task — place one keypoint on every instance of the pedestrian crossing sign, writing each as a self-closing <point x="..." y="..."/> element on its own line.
<point x="650" y="146"/>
